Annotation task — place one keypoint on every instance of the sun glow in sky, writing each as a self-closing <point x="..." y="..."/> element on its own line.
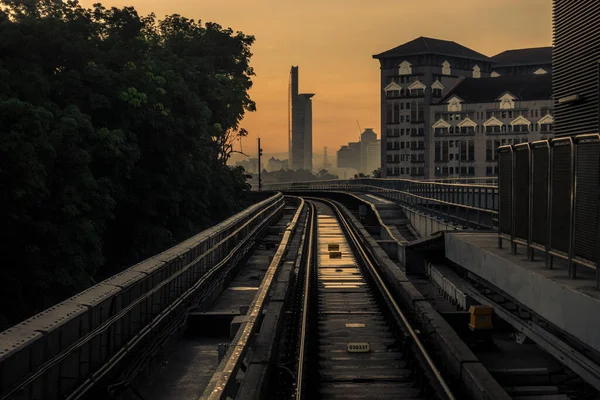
<point x="332" y="42"/>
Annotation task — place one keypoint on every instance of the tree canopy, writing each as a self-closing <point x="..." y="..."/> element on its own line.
<point x="115" y="130"/>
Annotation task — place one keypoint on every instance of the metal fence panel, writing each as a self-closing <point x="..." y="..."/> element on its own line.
<point x="521" y="191"/>
<point x="561" y="195"/>
<point x="586" y="198"/>
<point x="505" y="177"/>
<point x="539" y="213"/>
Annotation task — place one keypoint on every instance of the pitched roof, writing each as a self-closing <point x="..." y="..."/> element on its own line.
<point x="487" y="90"/>
<point x="531" y="56"/>
<point x="423" y="45"/>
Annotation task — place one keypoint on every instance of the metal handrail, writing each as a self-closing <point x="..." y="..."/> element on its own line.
<point x="223" y="380"/>
<point x="42" y="369"/>
<point x="568" y="246"/>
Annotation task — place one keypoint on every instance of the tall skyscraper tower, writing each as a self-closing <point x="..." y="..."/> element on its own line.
<point x="300" y="125"/>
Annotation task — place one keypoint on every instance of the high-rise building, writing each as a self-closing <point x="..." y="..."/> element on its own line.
<point x="420" y="74"/>
<point x="300" y="125"/>
<point x="414" y="76"/>
<point x="576" y="63"/>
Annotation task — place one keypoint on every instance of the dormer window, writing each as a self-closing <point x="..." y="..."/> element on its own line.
<point x="417" y="88"/>
<point x="446" y="68"/>
<point x="454" y="104"/>
<point x="507" y="101"/>
<point x="546" y="123"/>
<point x="392" y="90"/>
<point x="494" y="74"/>
<point x="405" y="68"/>
<point x="437" y="89"/>
<point x="540" y="71"/>
<point x="476" y="72"/>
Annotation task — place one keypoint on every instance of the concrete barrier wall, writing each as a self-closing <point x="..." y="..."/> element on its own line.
<point x="88" y="329"/>
<point x="427" y="225"/>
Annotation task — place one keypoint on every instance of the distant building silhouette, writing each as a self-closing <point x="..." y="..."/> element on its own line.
<point x="275" y="164"/>
<point x="420" y="74"/>
<point x="300" y="123"/>
<point x="250" y="165"/>
<point x="576" y="61"/>
<point x="363" y="156"/>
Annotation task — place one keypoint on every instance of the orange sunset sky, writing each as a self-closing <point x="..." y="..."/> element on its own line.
<point x="332" y="41"/>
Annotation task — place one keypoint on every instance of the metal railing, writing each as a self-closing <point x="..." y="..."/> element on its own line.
<point x="488" y="181"/>
<point x="550" y="200"/>
<point x="473" y="206"/>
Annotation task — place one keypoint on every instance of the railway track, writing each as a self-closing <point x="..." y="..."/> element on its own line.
<point x="354" y="340"/>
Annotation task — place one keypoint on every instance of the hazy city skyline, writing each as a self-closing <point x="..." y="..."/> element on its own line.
<point x="333" y="43"/>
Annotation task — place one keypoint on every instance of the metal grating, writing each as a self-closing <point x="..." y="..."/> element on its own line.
<point x="521" y="193"/>
<point x="561" y="198"/>
<point x="539" y="213"/>
<point x="505" y="170"/>
<point x="586" y="200"/>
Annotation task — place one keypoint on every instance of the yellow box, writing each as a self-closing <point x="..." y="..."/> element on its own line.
<point x="335" y="254"/>
<point x="481" y="317"/>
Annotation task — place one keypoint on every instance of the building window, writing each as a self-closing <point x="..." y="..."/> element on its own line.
<point x="471" y="170"/>
<point x="408" y="105"/>
<point x="521" y="128"/>
<point x="546" y="127"/>
<point x="489" y="150"/>
<point x="396" y="112"/>
<point x="492" y="129"/>
<point x="471" y="150"/>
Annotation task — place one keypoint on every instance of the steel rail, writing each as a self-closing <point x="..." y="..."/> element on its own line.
<point x="305" y="308"/>
<point x="390" y="299"/>
<point x="40" y="371"/>
<point x="225" y="376"/>
<point x="359" y="181"/>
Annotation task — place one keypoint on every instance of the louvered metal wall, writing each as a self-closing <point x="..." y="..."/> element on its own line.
<point x="521" y="191"/>
<point x="575" y="57"/>
<point x="540" y="154"/>
<point x="586" y="199"/>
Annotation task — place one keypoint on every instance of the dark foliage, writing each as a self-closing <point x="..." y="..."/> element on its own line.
<point x="115" y="130"/>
